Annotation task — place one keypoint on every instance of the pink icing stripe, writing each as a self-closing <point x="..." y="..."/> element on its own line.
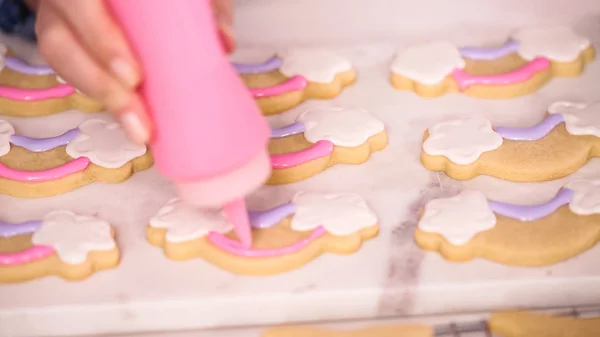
<point x="294" y="83"/>
<point x="71" y="167"/>
<point x="465" y="80"/>
<point x="29" y="255"/>
<point x="320" y="149"/>
<point x="235" y="248"/>
<point x="18" y="94"/>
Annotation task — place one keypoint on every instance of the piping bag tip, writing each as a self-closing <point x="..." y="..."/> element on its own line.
<point x="237" y="214"/>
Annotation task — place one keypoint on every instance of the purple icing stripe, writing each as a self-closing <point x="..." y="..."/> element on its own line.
<point x="21" y="66"/>
<point x="269" y="65"/>
<point x="44" y="144"/>
<point x="487" y="54"/>
<point x="531" y="213"/>
<point x="8" y="230"/>
<point x="290" y="130"/>
<point x="535" y="132"/>
<point x="269" y="218"/>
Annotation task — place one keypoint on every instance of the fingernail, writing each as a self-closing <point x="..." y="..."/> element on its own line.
<point x="135" y="128"/>
<point x="227" y="37"/>
<point x="125" y="72"/>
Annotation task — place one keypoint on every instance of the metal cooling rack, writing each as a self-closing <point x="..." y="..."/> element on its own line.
<point x="480" y="328"/>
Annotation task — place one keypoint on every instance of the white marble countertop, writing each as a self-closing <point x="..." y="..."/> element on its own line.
<point x="389" y="276"/>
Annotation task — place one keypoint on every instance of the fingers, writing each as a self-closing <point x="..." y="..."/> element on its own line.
<point x="223" y="10"/>
<point x="97" y="31"/>
<point x="76" y="64"/>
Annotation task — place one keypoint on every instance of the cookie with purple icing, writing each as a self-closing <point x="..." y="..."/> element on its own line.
<point x="469" y="225"/>
<point x="285" y="237"/>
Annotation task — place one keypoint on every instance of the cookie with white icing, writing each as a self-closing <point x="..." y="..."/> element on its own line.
<point x="322" y="137"/>
<point x="97" y="150"/>
<point x="28" y="90"/>
<point x="63" y="243"/>
<point x="470" y="226"/>
<point x="567" y="137"/>
<point x="295" y="75"/>
<point x="284" y="237"/>
<point x="529" y="59"/>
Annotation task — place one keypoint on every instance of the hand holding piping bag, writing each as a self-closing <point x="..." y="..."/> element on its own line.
<point x="84" y="44"/>
<point x="206" y="132"/>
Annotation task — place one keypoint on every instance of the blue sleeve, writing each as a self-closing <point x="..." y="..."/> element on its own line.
<point x="17" y="19"/>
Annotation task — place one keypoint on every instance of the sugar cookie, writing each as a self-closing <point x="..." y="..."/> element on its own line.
<point x="322" y="137"/>
<point x="521" y="66"/>
<point x="378" y="331"/>
<point x="34" y="90"/>
<point x="526" y="324"/>
<point x="62" y="243"/>
<point x="469" y="225"/>
<point x="285" y="237"/>
<point x="294" y="76"/>
<point x="40" y="167"/>
<point x="557" y="146"/>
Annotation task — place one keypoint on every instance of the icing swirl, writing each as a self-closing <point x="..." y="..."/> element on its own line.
<point x="535" y="132"/>
<point x="465" y="80"/>
<point x="488" y="54"/>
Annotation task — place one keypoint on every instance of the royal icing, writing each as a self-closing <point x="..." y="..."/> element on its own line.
<point x="318" y="66"/>
<point x="535" y="132"/>
<point x="341" y="126"/>
<point x="428" y="63"/>
<point x="586" y="197"/>
<point x="535" y="212"/>
<point x="253" y="68"/>
<point x="462" y="141"/>
<point x="320" y="149"/>
<point x="464" y="80"/>
<point x="488" y="54"/>
<point x="580" y="119"/>
<point x="73" y="236"/>
<point x="339" y="214"/>
<point x="6" y="132"/>
<point x="21" y="66"/>
<point x="558" y="43"/>
<point x="458" y="219"/>
<point x="186" y="223"/>
<point x="294" y="83"/>
<point x="105" y="144"/>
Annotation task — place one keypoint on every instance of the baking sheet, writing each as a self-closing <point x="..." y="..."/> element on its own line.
<point x="389" y="276"/>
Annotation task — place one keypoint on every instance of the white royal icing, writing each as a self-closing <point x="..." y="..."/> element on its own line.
<point x="186" y="223"/>
<point x="580" y="119"/>
<point x="341" y="126"/>
<point x="462" y="141"/>
<point x="6" y="131"/>
<point x="459" y="218"/>
<point x="105" y="144"/>
<point x="557" y="43"/>
<point x="586" y="197"/>
<point x="428" y="63"/>
<point x="339" y="214"/>
<point x="73" y="236"/>
<point x="318" y="66"/>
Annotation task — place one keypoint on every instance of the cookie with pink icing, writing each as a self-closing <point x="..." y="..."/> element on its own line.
<point x="469" y="225"/>
<point x="295" y="75"/>
<point x="529" y="59"/>
<point x="322" y="137"/>
<point x="62" y="243"/>
<point x="567" y="137"/>
<point x="97" y="150"/>
<point x="28" y="90"/>
<point x="285" y="237"/>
